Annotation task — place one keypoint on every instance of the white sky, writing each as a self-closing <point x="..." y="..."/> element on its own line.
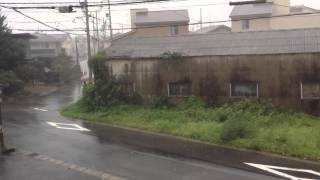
<point x="121" y="14"/>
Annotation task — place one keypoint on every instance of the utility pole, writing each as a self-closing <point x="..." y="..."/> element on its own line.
<point x="200" y="19"/>
<point x="104" y="29"/>
<point x="88" y="36"/>
<point x="93" y="34"/>
<point x="77" y="51"/>
<point x="110" y="22"/>
<point x="97" y="22"/>
<point x="3" y="148"/>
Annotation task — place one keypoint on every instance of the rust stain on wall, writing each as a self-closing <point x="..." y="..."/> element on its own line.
<point x="279" y="76"/>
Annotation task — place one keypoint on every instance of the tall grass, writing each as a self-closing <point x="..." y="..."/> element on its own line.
<point x="245" y="124"/>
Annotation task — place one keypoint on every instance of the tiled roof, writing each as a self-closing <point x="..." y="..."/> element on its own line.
<point x="302" y="9"/>
<point x="22" y="36"/>
<point x="240" y="43"/>
<point x="158" y="17"/>
<point x="49" y="37"/>
<point x="212" y="29"/>
<point x="251" y="11"/>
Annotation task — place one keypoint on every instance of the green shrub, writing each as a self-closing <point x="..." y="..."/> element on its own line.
<point x="11" y="81"/>
<point x="221" y="116"/>
<point x="171" y="56"/>
<point x="135" y="99"/>
<point x="236" y="127"/>
<point x="192" y="102"/>
<point x="159" y="102"/>
<point x="246" y="124"/>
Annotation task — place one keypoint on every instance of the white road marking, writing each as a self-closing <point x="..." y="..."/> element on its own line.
<point x="66" y="126"/>
<point x="39" y="109"/>
<point x="273" y="170"/>
<point x="70" y="166"/>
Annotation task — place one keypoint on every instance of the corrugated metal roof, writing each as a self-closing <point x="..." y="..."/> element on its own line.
<point x="251" y="11"/>
<point x="241" y="43"/>
<point x="156" y="17"/>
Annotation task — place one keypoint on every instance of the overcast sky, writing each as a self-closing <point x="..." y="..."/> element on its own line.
<point x="212" y="10"/>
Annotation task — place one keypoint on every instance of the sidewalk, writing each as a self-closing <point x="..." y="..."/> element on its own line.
<point x="19" y="166"/>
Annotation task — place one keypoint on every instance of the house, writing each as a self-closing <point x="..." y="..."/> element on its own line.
<point x="24" y="40"/>
<point x="273" y="15"/>
<point x="278" y="66"/>
<point x="49" y="46"/>
<point x="159" y="23"/>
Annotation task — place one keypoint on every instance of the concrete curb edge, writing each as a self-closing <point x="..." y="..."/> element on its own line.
<point x="188" y="148"/>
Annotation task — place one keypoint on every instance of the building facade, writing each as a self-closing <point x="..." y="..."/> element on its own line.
<point x="48" y="46"/>
<point x="159" y="23"/>
<point x="281" y="67"/>
<point x="273" y="15"/>
<point x="23" y="39"/>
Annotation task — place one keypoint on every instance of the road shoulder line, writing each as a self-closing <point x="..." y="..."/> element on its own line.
<point x="70" y="166"/>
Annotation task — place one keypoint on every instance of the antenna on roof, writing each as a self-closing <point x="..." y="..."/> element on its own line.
<point x="232" y="3"/>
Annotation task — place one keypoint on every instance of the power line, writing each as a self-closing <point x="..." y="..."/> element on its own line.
<point x="208" y="22"/>
<point x="98" y="4"/>
<point x="32" y="22"/>
<point x="52" y="2"/>
<point x="126" y="9"/>
<point x="145" y="27"/>
<point x="40" y="22"/>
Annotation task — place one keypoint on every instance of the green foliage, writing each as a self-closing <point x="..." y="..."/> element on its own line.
<point x="63" y="66"/>
<point x="236" y="127"/>
<point x="192" y="102"/>
<point x="98" y="67"/>
<point x="99" y="96"/>
<point x="28" y="72"/>
<point x="245" y="124"/>
<point x="171" y="56"/>
<point x="11" y="52"/>
<point x="11" y="81"/>
<point x="159" y="102"/>
<point x="105" y="91"/>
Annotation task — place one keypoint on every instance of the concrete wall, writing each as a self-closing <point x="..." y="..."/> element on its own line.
<point x="277" y="23"/>
<point x="296" y="22"/>
<point x="279" y="76"/>
<point x="254" y="24"/>
<point x="280" y="7"/>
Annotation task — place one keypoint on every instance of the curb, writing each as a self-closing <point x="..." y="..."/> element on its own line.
<point x="183" y="147"/>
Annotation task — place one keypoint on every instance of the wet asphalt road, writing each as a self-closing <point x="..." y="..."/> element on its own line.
<point x="27" y="129"/>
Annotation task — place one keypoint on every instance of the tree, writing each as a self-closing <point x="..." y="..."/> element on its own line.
<point x="63" y="66"/>
<point x="11" y="53"/>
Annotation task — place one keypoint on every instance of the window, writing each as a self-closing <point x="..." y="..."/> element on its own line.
<point x="174" y="30"/>
<point x="310" y="90"/>
<point x="244" y="89"/>
<point x="179" y="89"/>
<point x="245" y="24"/>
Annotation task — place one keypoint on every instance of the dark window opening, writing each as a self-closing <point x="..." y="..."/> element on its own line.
<point x="174" y="30"/>
<point x="244" y="89"/>
<point x="179" y="89"/>
<point x="310" y="90"/>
